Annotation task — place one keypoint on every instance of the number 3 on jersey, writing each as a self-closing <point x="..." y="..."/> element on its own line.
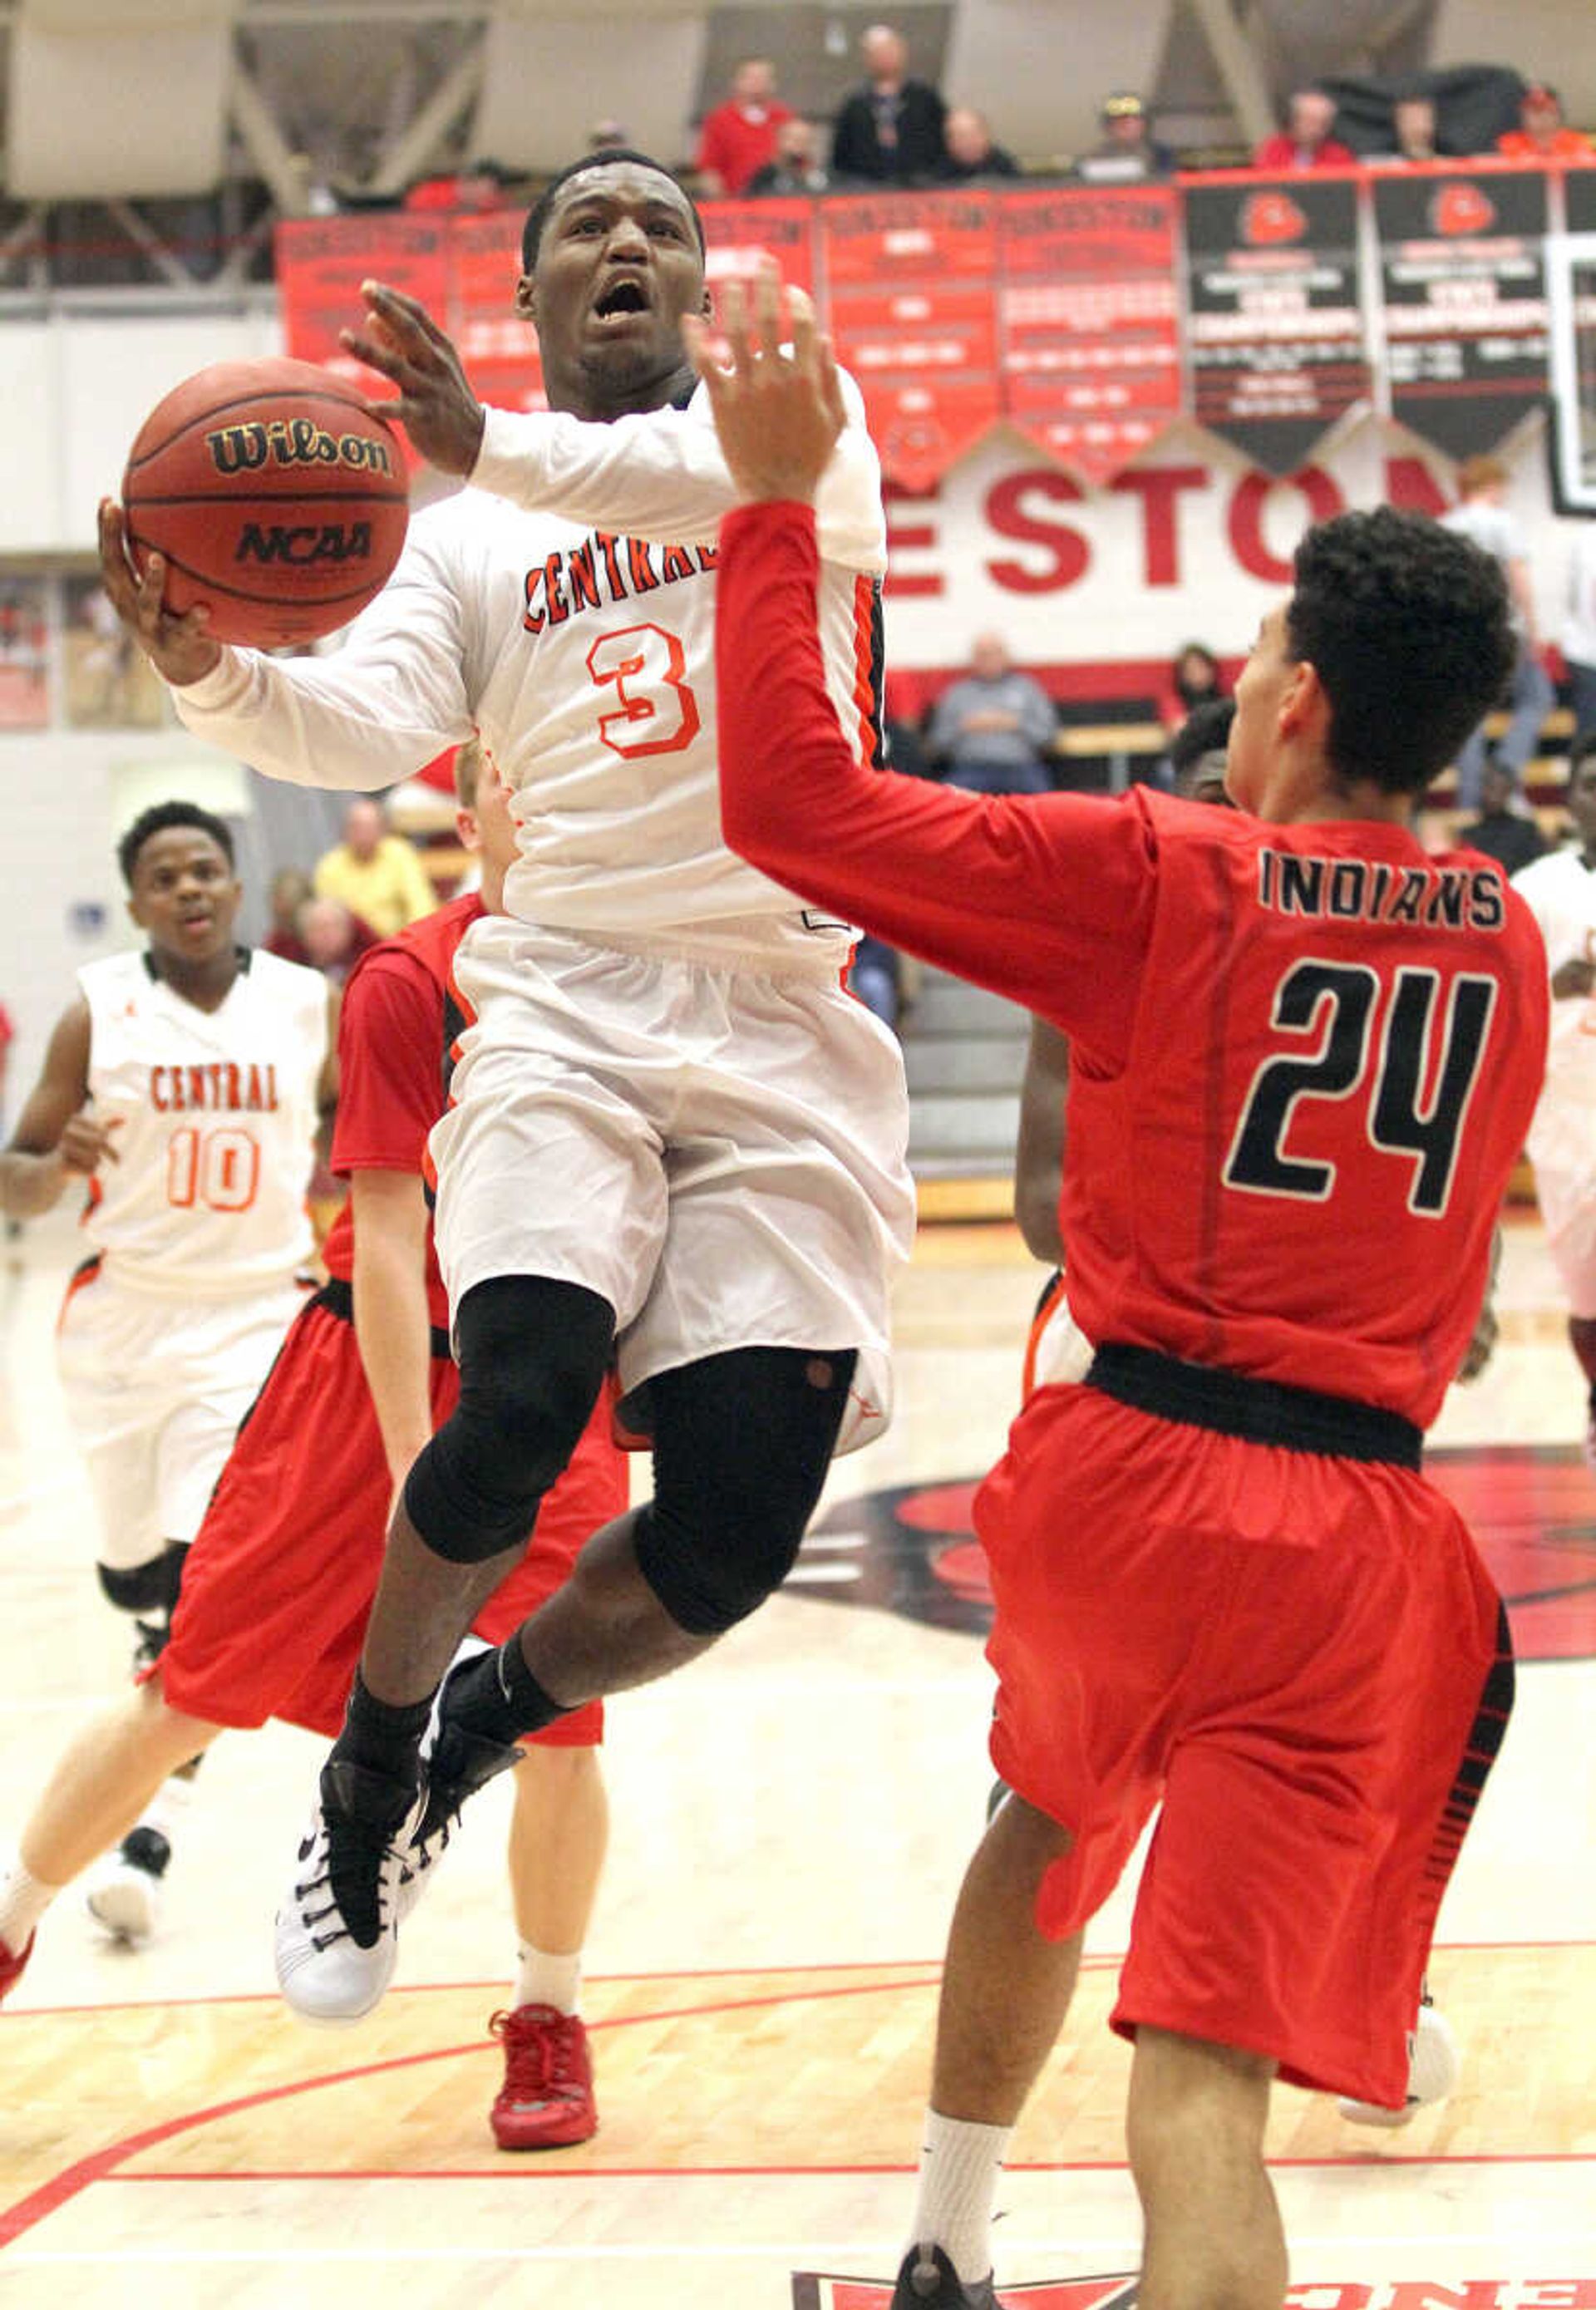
<point x="1335" y="1003"/>
<point x="645" y="664"/>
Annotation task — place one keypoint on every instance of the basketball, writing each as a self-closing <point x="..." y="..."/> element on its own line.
<point x="279" y="502"/>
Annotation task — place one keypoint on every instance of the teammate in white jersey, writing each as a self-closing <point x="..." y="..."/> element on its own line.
<point x="1560" y="891"/>
<point x="674" y="1136"/>
<point x="182" y="1088"/>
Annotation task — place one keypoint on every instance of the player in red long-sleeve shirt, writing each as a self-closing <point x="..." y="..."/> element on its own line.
<point x="1304" y="1056"/>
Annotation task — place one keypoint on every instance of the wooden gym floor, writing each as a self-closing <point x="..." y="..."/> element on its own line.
<point x="791" y="1820"/>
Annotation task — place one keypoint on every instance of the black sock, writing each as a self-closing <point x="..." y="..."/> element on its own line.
<point x="497" y="1696"/>
<point x="381" y="1738"/>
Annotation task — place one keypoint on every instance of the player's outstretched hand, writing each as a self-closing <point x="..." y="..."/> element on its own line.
<point x="178" y="647"/>
<point x="777" y="411"/>
<point x="436" y="405"/>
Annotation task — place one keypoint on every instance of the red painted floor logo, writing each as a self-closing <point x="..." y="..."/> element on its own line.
<point x="913" y="1549"/>
<point x="821" y="2293"/>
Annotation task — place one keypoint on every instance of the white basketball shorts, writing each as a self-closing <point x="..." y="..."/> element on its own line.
<point x="720" y="1154"/>
<point x="155" y="1390"/>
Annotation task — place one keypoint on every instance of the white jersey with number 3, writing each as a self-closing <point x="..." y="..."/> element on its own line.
<point x="564" y="608"/>
<point x="215" y="1114"/>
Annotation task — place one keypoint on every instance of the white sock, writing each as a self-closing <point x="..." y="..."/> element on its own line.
<point x="167" y="1807"/>
<point x="960" y="2166"/>
<point x="543" y="1978"/>
<point x="23" y="1900"/>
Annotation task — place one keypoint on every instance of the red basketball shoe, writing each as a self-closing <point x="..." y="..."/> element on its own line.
<point x="546" y="2101"/>
<point x="10" y="1967"/>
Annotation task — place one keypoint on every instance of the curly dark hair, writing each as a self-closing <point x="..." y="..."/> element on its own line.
<point x="1408" y="626"/>
<point x="156" y="821"/>
<point x="537" y="215"/>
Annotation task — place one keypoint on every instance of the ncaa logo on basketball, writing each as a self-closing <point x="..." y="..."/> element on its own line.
<point x="300" y="545"/>
<point x="294" y="441"/>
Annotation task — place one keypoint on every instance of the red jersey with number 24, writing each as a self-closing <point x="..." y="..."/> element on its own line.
<point x="1304" y="1059"/>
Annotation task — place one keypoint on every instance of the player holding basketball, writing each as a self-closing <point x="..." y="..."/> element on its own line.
<point x="1304" y="1057"/>
<point x="673" y="1134"/>
<point x="280" y="1578"/>
<point x="181" y="1089"/>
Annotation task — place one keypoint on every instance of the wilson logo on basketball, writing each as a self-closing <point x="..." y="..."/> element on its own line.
<point x="294" y="441"/>
<point x="318" y="541"/>
<point x="1459" y="209"/>
<point x="1272" y="219"/>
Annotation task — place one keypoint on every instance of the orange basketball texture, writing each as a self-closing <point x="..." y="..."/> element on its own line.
<point x="277" y="501"/>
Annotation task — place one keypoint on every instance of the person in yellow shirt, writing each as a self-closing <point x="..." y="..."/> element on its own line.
<point x="378" y="875"/>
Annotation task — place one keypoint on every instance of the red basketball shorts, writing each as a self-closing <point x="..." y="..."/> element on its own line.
<point x="279" y="1581"/>
<point x="1299" y="1654"/>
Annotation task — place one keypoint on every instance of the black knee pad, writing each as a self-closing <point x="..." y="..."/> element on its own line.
<point x="532" y="1356"/>
<point x="741" y="1446"/>
<point x="147" y="1588"/>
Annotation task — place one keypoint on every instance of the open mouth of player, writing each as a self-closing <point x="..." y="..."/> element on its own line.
<point x="620" y="302"/>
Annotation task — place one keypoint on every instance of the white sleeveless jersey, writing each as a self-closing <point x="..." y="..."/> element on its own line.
<point x="564" y="608"/>
<point x="217" y="1112"/>
<point x="1560" y="892"/>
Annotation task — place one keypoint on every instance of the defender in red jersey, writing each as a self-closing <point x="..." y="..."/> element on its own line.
<point x="1304" y="1056"/>
<point x="279" y="1581"/>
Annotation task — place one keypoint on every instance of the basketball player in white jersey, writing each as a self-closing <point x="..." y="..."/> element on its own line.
<point x="1560" y="892"/>
<point x="674" y="1136"/>
<point x="181" y="1089"/>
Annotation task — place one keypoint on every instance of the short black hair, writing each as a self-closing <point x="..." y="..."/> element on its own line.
<point x="611" y="157"/>
<point x="1407" y="624"/>
<point x="157" y="818"/>
<point x="1206" y="730"/>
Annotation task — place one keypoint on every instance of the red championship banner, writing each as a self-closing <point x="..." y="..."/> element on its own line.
<point x="1089" y="322"/>
<point x="498" y="349"/>
<point x="738" y="235"/>
<point x="321" y="261"/>
<point x="912" y="285"/>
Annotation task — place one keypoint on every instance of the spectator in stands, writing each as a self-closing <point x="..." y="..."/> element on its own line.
<point x="1128" y="151"/>
<point x="991" y="731"/>
<point x="1541" y="134"/>
<point x="1194" y="680"/>
<point x="479" y="186"/>
<point x="970" y="151"/>
<point x="1306" y="141"/>
<point x="333" y="937"/>
<point x="1413" y="126"/>
<point x="1579" y="631"/>
<point x="376" y="872"/>
<point x="1481" y="515"/>
<point x="1199" y="751"/>
<point x="290" y="887"/>
<point x="1502" y="832"/>
<point x="890" y="130"/>
<point x="737" y="137"/>
<point x="799" y="165"/>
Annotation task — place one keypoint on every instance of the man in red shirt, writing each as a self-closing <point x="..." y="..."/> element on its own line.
<point x="278" y="1583"/>
<point x="1541" y="134"/>
<point x="1306" y="141"/>
<point x="1305" y="1054"/>
<point x="739" y="136"/>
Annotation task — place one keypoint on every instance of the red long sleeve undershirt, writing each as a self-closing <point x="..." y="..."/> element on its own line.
<point x="1047" y="899"/>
